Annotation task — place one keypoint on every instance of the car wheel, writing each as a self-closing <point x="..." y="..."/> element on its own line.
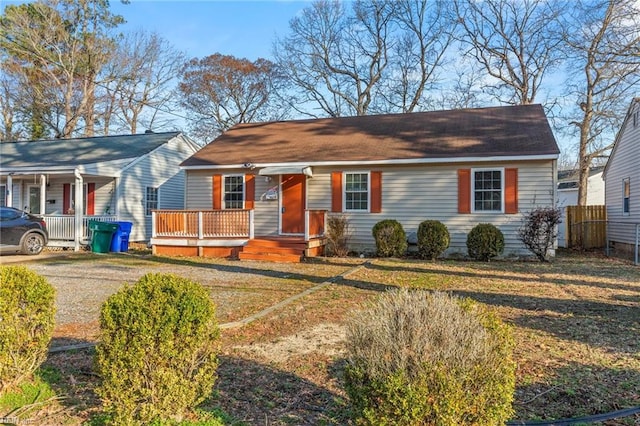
<point x="33" y="243"/>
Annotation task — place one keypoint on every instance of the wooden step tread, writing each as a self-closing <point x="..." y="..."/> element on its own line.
<point x="279" y="250"/>
<point x="270" y="257"/>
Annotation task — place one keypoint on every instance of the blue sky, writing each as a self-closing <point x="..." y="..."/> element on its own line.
<point x="244" y="29"/>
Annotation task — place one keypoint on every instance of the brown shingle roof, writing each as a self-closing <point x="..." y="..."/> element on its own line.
<point x="483" y="132"/>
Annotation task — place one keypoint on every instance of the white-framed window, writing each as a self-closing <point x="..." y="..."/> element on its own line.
<point x="150" y="200"/>
<point x="487" y="190"/>
<point x="357" y="188"/>
<point x="233" y="192"/>
<point x="626" y="196"/>
<point x="3" y="195"/>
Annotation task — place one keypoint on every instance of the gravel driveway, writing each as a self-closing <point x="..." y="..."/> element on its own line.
<point x="83" y="281"/>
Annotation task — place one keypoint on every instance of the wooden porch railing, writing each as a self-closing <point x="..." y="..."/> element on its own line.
<point x="203" y="224"/>
<point x="315" y="223"/>
<point x="62" y="227"/>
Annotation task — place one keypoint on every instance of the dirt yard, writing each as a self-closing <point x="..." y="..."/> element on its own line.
<point x="576" y="323"/>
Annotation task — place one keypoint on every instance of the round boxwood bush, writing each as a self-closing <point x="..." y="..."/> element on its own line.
<point x="157" y="356"/>
<point x="27" y="317"/>
<point x="433" y="239"/>
<point x="391" y="240"/>
<point x="484" y="242"/>
<point x="416" y="358"/>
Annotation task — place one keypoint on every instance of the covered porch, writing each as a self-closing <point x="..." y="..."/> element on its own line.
<point x="231" y="233"/>
<point x="66" y="199"/>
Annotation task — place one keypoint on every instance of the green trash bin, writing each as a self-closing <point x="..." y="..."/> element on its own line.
<point x="102" y="232"/>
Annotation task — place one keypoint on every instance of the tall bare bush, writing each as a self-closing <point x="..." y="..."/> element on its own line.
<point x="416" y="358"/>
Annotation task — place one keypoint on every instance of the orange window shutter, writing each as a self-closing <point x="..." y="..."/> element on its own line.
<point x="217" y="192"/>
<point x="464" y="191"/>
<point x="250" y="191"/>
<point x="511" y="191"/>
<point x="376" y="192"/>
<point x="91" y="198"/>
<point x="336" y="192"/>
<point x="66" y="197"/>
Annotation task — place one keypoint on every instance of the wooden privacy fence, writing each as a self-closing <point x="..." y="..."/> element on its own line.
<point x="586" y="227"/>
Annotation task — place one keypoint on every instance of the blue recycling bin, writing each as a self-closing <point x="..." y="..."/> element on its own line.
<point x="120" y="239"/>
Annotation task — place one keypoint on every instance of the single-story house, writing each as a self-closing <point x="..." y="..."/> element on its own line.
<point x="280" y="180"/>
<point x="622" y="184"/>
<point x="568" y="194"/>
<point x="108" y="178"/>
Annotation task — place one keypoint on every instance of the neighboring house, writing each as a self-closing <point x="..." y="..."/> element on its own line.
<point x="622" y="183"/>
<point x="280" y="179"/>
<point x="109" y="178"/>
<point x="568" y="194"/>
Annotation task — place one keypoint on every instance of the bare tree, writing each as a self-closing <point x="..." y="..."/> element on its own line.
<point x="65" y="43"/>
<point x="139" y="78"/>
<point x="517" y="42"/>
<point x="604" y="64"/>
<point x="220" y="91"/>
<point x="378" y="56"/>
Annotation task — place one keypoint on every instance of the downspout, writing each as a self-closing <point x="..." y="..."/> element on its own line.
<point x="78" y="209"/>
<point x="9" y="191"/>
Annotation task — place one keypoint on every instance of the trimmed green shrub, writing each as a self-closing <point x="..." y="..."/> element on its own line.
<point x="416" y="358"/>
<point x="391" y="240"/>
<point x="433" y="239"/>
<point x="484" y="242"/>
<point x="338" y="235"/>
<point x="27" y="317"/>
<point x="157" y="357"/>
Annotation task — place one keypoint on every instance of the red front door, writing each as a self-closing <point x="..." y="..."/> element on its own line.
<point x="293" y="204"/>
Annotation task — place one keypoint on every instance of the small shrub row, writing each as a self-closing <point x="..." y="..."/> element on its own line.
<point x="484" y="241"/>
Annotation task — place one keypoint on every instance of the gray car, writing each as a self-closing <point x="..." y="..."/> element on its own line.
<point x="21" y="232"/>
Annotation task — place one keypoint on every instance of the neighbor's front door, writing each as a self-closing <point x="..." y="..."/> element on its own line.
<point x="293" y="204"/>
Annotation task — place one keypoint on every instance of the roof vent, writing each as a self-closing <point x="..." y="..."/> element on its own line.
<point x="148" y="131"/>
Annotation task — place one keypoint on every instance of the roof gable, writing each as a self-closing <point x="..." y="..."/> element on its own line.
<point x="481" y="132"/>
<point x="71" y="153"/>
<point x="633" y="113"/>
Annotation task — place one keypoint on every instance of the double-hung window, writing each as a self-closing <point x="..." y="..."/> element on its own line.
<point x="626" y="196"/>
<point x="234" y="192"/>
<point x="356" y="191"/>
<point x="488" y="190"/>
<point x="150" y="200"/>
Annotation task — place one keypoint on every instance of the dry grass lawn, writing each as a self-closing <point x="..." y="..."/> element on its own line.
<point x="576" y="324"/>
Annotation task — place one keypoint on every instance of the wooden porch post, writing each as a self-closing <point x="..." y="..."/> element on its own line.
<point x="306" y="225"/>
<point x="251" y="225"/>
<point x="9" y="191"/>
<point x="78" y="210"/>
<point x="154" y="232"/>
<point x="43" y="194"/>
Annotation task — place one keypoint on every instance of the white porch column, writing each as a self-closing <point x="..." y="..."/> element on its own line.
<point x="43" y="194"/>
<point x="9" y="191"/>
<point x="79" y="209"/>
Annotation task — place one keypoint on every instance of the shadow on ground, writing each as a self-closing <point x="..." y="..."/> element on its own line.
<point x="258" y="394"/>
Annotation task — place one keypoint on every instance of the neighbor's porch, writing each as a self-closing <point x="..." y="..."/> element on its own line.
<point x="230" y="233"/>
<point x="63" y="231"/>
<point x="66" y="199"/>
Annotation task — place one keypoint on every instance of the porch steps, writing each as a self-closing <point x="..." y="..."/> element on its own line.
<point x="274" y="250"/>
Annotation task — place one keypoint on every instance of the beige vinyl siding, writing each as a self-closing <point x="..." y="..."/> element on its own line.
<point x="412" y="194"/>
<point x="199" y="195"/>
<point x="623" y="164"/>
<point x="199" y="190"/>
<point x="152" y="170"/>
